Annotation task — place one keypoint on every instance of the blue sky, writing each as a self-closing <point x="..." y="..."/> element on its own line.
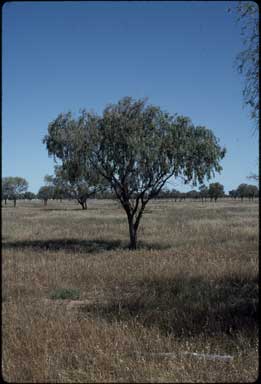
<point x="60" y="56"/>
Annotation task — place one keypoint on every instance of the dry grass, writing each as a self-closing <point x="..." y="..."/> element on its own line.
<point x="191" y="286"/>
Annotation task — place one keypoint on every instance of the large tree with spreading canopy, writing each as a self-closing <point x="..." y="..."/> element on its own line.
<point x="136" y="148"/>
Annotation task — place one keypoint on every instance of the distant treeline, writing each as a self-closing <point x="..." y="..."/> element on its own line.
<point x="213" y="192"/>
<point x="15" y="188"/>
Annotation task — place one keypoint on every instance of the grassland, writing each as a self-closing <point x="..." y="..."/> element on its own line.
<point x="192" y="286"/>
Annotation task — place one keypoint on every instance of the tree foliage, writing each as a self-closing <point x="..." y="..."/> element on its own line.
<point x="80" y="188"/>
<point x="67" y="141"/>
<point x="247" y="61"/>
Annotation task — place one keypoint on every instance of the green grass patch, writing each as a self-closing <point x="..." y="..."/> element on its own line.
<point x="65" y="293"/>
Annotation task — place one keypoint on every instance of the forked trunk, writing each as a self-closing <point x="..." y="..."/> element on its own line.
<point x="134" y="217"/>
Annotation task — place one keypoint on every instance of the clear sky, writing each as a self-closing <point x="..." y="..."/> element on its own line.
<point x="60" y="56"/>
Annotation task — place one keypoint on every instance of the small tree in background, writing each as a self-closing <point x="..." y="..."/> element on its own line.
<point x="215" y="191"/>
<point x="175" y="194"/>
<point x="252" y="191"/>
<point x="203" y="192"/>
<point x="182" y="196"/>
<point x="193" y="194"/>
<point x="13" y="188"/>
<point x="75" y="185"/>
<point x="6" y="189"/>
<point x="136" y="148"/>
<point x="242" y="190"/>
<point x="67" y="141"/>
<point x="45" y="193"/>
<point x="29" y="195"/>
<point x="233" y="194"/>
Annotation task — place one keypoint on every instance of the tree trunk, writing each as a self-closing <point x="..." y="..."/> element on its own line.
<point x="45" y="202"/>
<point x="14" y="202"/>
<point x="5" y="201"/>
<point x="133" y="234"/>
<point x="83" y="204"/>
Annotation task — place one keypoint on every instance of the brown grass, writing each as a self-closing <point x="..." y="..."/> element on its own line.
<point x="191" y="286"/>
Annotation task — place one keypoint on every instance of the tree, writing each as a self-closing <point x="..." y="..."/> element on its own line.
<point x="80" y="188"/>
<point x="247" y="61"/>
<point x="13" y="188"/>
<point x="233" y="194"/>
<point x="203" y="192"/>
<point x="67" y="141"/>
<point x="175" y="194"/>
<point x="182" y="196"/>
<point x="193" y="194"/>
<point x="252" y="191"/>
<point x="215" y="191"/>
<point x="45" y="193"/>
<point x="6" y="189"/>
<point x="56" y="186"/>
<point x="242" y="190"/>
<point x="136" y="148"/>
<point x="29" y="195"/>
<point x="247" y="190"/>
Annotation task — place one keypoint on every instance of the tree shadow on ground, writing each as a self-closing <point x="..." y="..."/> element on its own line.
<point x="184" y="306"/>
<point x="47" y="209"/>
<point x="69" y="245"/>
<point x="77" y="245"/>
